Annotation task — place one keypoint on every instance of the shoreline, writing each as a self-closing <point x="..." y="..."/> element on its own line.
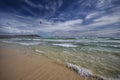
<point x="81" y="71"/>
<point x="20" y="63"/>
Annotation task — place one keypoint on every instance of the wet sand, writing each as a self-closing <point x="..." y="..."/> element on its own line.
<point x="21" y="63"/>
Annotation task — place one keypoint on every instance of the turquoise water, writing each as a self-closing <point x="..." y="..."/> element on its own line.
<point x="100" y="55"/>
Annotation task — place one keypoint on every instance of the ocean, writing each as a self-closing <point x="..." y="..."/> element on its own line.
<point x="99" y="55"/>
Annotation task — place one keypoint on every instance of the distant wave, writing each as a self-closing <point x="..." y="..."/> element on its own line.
<point x="81" y="40"/>
<point x="22" y="42"/>
<point x="27" y="44"/>
<point x="65" y="45"/>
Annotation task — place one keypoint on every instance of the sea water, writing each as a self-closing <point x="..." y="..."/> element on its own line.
<point x="99" y="55"/>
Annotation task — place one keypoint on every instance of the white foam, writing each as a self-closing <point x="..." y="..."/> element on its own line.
<point x="39" y="51"/>
<point x="80" y="70"/>
<point x="28" y="44"/>
<point x="65" y="45"/>
<point x="58" y="40"/>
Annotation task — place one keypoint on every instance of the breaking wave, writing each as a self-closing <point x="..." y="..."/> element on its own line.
<point x="84" y="72"/>
<point x="65" y="45"/>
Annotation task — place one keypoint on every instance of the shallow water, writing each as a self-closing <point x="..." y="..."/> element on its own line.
<point x="100" y="55"/>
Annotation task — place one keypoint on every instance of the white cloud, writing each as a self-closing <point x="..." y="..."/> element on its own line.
<point x="71" y="22"/>
<point x="15" y="24"/>
<point x="93" y="15"/>
<point x="16" y="30"/>
<point x="60" y="3"/>
<point x="20" y="25"/>
<point x="33" y="5"/>
<point x="105" y="32"/>
<point x="29" y="10"/>
<point x="106" y="20"/>
<point x="101" y="19"/>
<point x="102" y="4"/>
<point x="64" y="26"/>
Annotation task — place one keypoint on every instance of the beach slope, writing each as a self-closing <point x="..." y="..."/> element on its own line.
<point x="22" y="63"/>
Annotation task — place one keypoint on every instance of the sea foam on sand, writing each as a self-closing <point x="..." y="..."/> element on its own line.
<point x="39" y="51"/>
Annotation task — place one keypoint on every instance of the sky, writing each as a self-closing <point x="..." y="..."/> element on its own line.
<point x="60" y="18"/>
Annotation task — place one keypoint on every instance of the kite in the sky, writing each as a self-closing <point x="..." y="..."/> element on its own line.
<point x="40" y="22"/>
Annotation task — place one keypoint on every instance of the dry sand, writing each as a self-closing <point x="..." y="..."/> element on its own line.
<point x="19" y="63"/>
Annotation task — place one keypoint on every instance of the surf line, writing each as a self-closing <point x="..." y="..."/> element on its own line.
<point x="84" y="72"/>
<point x="80" y="70"/>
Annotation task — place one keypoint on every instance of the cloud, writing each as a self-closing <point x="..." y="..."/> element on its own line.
<point x="103" y="21"/>
<point x="72" y="22"/>
<point x="15" y="24"/>
<point x="106" y="20"/>
<point x="103" y="4"/>
<point x="60" y="3"/>
<point x="93" y="15"/>
<point x="34" y="5"/>
<point x="58" y="26"/>
<point x="14" y="30"/>
<point x="20" y="25"/>
<point x="104" y="32"/>
<point x="50" y="6"/>
<point x="26" y="25"/>
<point x="102" y="25"/>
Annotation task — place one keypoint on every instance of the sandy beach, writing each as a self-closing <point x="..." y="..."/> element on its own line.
<point x="21" y="63"/>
